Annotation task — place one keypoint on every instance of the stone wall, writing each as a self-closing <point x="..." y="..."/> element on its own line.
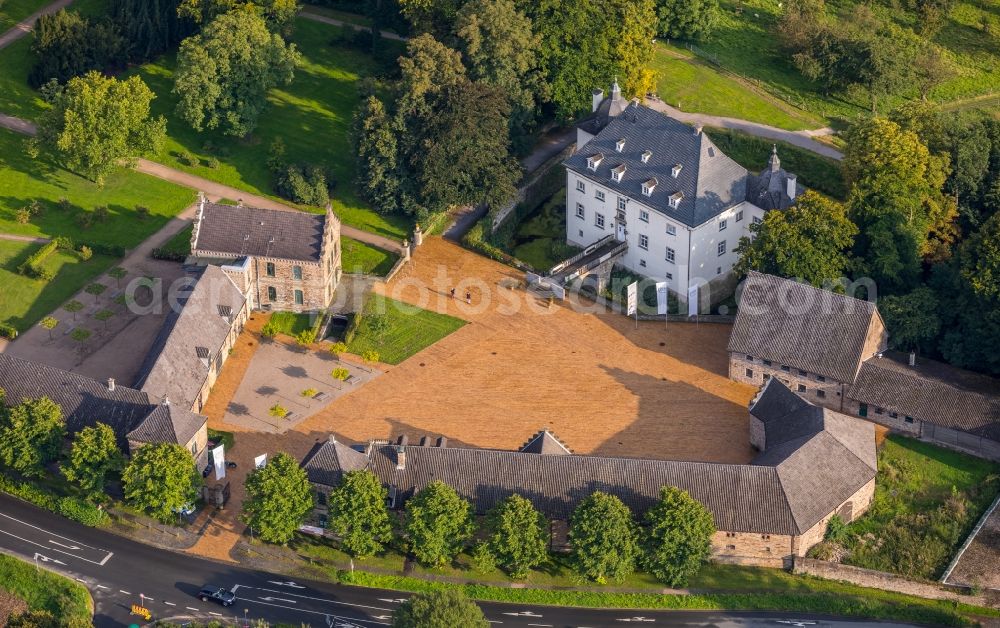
<point x="316" y="285"/>
<point x="807" y="385"/>
<point x="852" y="508"/>
<point x="750" y="548"/>
<point x="891" y="582"/>
<point x="883" y="417"/>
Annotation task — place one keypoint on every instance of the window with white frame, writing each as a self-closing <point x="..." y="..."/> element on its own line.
<point x="676" y="170"/>
<point x="671" y="229"/>
<point x="599" y="195"/>
<point x="671" y="255"/>
<point x="722" y="247"/>
<point x="648" y="187"/>
<point x="618" y="172"/>
<point x="599" y="221"/>
<point x="621" y="203"/>
<point x="756" y="220"/>
<point x="739" y="216"/>
<point x="643" y="215"/>
<point x="643" y="241"/>
<point x="620" y="145"/>
<point x="594" y="161"/>
<point x="722" y="225"/>
<point x="646" y="155"/>
<point x="581" y="186"/>
<point x="579" y="210"/>
<point x="675" y="199"/>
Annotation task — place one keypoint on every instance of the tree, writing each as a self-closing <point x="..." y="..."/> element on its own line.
<point x="430" y="16"/>
<point x="446" y="608"/>
<point x="500" y="48"/>
<point x="161" y="479"/>
<point x="518" y="536"/>
<point x="427" y="68"/>
<point x="438" y="523"/>
<point x="278" y="499"/>
<point x="378" y="153"/>
<point x="278" y="14"/>
<point x="97" y="123"/>
<point x="358" y="513"/>
<point x="808" y="241"/>
<point x="679" y="19"/>
<point x="93" y="455"/>
<point x="678" y="537"/>
<point x="49" y="323"/>
<point x="224" y="73"/>
<point x="151" y="27"/>
<point x="118" y="273"/>
<point x="912" y="319"/>
<point x="67" y="45"/>
<point x="31" y="435"/>
<point x="603" y="538"/>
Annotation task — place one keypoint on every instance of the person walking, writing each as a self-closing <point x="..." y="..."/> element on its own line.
<point x="453" y="293"/>
<point x="468" y="298"/>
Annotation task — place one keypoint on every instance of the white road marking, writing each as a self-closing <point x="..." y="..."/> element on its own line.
<point x="46" y="547"/>
<point x="286" y="584"/>
<point x="191" y="608"/>
<point x="277" y="599"/>
<point x="58" y="536"/>
<point x="302" y="610"/>
<point x="320" y="599"/>
<point x="639" y="619"/>
<point x="523" y="614"/>
<point x="80" y="580"/>
<point x="170" y="604"/>
<point x="69" y="547"/>
<point x="216" y="614"/>
<point x="125" y="592"/>
<point x="46" y="559"/>
<point x="398" y="600"/>
<point x="544" y="625"/>
<point x="101" y="586"/>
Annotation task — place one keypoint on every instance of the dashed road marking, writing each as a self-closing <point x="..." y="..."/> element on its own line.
<point x="170" y="604"/>
<point x="216" y="614"/>
<point x="101" y="586"/>
<point x="125" y="592"/>
<point x="191" y="608"/>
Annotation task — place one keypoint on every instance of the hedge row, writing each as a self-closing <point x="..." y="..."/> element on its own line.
<point x="70" y="507"/>
<point x="32" y="267"/>
<point x="8" y="331"/>
<point x="476" y="241"/>
<point x="167" y="255"/>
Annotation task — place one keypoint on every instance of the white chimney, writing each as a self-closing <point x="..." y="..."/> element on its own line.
<point x="913" y="358"/>
<point x="697" y="129"/>
<point x="790" y="186"/>
<point x="400" y="457"/>
<point x="598" y="97"/>
<point x="111" y="384"/>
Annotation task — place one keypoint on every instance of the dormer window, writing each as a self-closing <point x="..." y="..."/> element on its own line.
<point x="676" y="170"/>
<point x="675" y="199"/>
<point x="618" y="172"/>
<point x="620" y="145"/>
<point x="649" y="186"/>
<point x="646" y="155"/>
<point x="594" y="161"/>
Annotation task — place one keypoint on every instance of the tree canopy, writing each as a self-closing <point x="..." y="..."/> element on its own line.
<point x="808" y="241"/>
<point x="438" y="522"/>
<point x="358" y="514"/>
<point x="161" y="479"/>
<point x="97" y="123"/>
<point x="678" y="537"/>
<point x="278" y="499"/>
<point x="518" y="536"/>
<point x="31" y="435"/>
<point x="912" y="319"/>
<point x="93" y="455"/>
<point x="686" y="19"/>
<point x="446" y="608"/>
<point x="67" y="45"/>
<point x="603" y="538"/>
<point x="224" y="73"/>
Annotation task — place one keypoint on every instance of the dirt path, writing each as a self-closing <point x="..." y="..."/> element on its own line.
<point x="309" y="15"/>
<point x="22" y="238"/>
<point x="23" y="27"/>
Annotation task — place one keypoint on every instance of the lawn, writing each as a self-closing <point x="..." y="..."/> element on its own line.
<point x="691" y="84"/>
<point x="291" y="323"/>
<point x="927" y="499"/>
<point x="13" y="11"/>
<point x="358" y="257"/>
<point x="23" y="300"/>
<point x="397" y="330"/>
<point x="44" y="590"/>
<point x="312" y="116"/>
<point x="180" y="244"/>
<point x="23" y="180"/>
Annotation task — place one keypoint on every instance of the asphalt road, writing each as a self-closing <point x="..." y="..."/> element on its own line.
<point x="118" y="571"/>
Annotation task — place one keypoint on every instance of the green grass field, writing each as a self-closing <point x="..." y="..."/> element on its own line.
<point x="291" y="323"/>
<point x="44" y="590"/>
<point x="23" y="300"/>
<point x="405" y="329"/>
<point x="312" y="116"/>
<point x="13" y="11"/>
<point x="690" y="84"/>
<point x="358" y="257"/>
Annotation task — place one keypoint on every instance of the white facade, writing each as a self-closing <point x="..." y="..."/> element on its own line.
<point x="658" y="247"/>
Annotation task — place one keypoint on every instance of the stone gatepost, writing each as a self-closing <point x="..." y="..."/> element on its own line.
<point x="418" y="235"/>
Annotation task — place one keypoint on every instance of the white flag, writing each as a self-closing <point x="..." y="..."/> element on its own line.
<point x="661" y="297"/>
<point x="693" y="300"/>
<point x="633" y="298"/>
<point x="219" y="460"/>
<point x="260" y="461"/>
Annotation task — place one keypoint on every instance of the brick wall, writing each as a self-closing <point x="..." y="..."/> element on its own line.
<point x="739" y="364"/>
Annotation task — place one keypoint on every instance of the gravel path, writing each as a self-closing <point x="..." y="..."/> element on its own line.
<point x="23" y="27"/>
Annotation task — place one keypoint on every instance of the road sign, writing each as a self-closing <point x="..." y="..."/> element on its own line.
<point x="141" y="611"/>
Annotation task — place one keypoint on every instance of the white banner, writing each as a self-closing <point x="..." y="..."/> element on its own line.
<point x="219" y="460"/>
<point x="633" y="298"/>
<point x="661" y="297"/>
<point x="693" y="300"/>
<point x="260" y="461"/>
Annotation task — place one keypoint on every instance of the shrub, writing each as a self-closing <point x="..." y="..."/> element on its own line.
<point x="32" y="267"/>
<point x="86" y="252"/>
<point x="309" y="392"/>
<point x="305" y="337"/>
<point x="352" y="328"/>
<point x="141" y="212"/>
<point x="85" y="220"/>
<point x="101" y="213"/>
<point x="340" y="373"/>
<point x="23" y="216"/>
<point x="167" y="255"/>
<point x="64" y="204"/>
<point x="276" y="156"/>
<point x="212" y="162"/>
<point x="7" y="331"/>
<point x="82" y="512"/>
<point x="370" y="355"/>
<point x="303" y="184"/>
<point x="29" y="493"/>
<point x="186" y="158"/>
<point x="337" y="348"/>
<point x="63" y="243"/>
<point x="270" y="330"/>
<point x="80" y="334"/>
<point x="278" y="411"/>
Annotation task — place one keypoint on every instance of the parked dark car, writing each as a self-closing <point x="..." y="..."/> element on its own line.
<point x="217" y="594"/>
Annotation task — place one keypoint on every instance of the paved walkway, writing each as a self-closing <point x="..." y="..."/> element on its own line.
<point x="316" y="17"/>
<point x="802" y="139"/>
<point x="23" y="27"/>
<point x="22" y="238"/>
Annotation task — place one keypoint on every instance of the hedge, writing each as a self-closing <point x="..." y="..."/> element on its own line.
<point x="101" y="248"/>
<point x="167" y="255"/>
<point x="32" y="267"/>
<point x="8" y="331"/>
<point x="82" y="511"/>
<point x="475" y="241"/>
<point x="29" y="493"/>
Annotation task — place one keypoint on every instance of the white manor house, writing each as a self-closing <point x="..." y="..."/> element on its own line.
<point x="664" y="188"/>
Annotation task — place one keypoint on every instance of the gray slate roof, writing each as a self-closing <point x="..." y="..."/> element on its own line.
<point x="242" y="230"/>
<point x="786" y="493"/>
<point x="545" y="442"/>
<point x="190" y="339"/>
<point x="931" y="391"/>
<point x="769" y="189"/>
<point x="710" y="181"/>
<point x="85" y="402"/>
<point x="328" y="461"/>
<point x="801" y="326"/>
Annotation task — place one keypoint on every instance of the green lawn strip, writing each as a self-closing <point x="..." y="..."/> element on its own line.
<point x="24" y="301"/>
<point x="291" y="323"/>
<point x="312" y="116"/>
<point x="359" y="257"/>
<point x="927" y="500"/>
<point x="691" y="84"/>
<point x="180" y="244"/>
<point x="13" y="11"/>
<point x="16" y="98"/>
<point x="23" y="180"/>
<point x="826" y="597"/>
<point x="44" y="590"/>
<point x="224" y="438"/>
<point x="813" y="171"/>
<point x="408" y="329"/>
